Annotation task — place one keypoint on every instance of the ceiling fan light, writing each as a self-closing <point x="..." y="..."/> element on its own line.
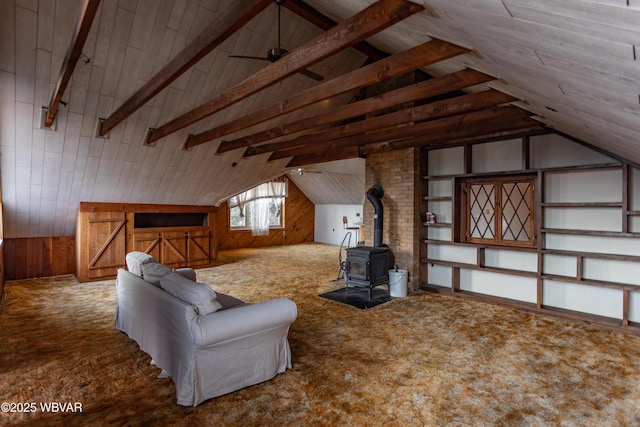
<point x="276" y="53"/>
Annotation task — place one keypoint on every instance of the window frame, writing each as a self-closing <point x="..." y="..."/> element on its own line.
<point x="247" y="215"/>
<point x="462" y="233"/>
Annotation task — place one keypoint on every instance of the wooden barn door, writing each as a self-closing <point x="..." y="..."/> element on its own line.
<point x="199" y="247"/>
<point x="106" y="248"/>
<point x="148" y="243"/>
<point x="175" y="248"/>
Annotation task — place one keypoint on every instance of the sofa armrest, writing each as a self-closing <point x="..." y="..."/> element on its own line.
<point x="242" y="321"/>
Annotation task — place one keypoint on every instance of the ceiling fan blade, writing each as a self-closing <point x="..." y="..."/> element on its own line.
<point x="249" y="57"/>
<point x="312" y="75"/>
<point x="277" y="53"/>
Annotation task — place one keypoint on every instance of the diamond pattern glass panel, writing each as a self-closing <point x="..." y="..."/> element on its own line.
<point x="516" y="211"/>
<point x="482" y="203"/>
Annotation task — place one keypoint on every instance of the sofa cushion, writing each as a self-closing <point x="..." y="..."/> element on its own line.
<point x="153" y="272"/>
<point x="198" y="294"/>
<point x="186" y="272"/>
<point x="135" y="260"/>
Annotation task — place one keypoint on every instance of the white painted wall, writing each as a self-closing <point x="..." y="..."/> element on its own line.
<point x="328" y="224"/>
<point x="497" y="156"/>
<point x="499" y="285"/>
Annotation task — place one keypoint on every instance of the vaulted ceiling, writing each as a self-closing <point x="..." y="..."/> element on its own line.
<point x="146" y="103"/>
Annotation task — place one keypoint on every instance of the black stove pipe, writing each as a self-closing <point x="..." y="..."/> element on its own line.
<point x="374" y="194"/>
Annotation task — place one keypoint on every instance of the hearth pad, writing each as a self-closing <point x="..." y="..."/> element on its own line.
<point x="359" y="297"/>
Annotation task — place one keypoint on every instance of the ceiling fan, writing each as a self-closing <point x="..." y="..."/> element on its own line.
<point x="277" y="53"/>
<point x="302" y="171"/>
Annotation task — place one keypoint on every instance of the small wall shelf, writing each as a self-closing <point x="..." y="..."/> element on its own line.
<point x="437" y="224"/>
<point x="437" y="198"/>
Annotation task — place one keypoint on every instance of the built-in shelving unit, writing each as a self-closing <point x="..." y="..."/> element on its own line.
<point x="584" y="241"/>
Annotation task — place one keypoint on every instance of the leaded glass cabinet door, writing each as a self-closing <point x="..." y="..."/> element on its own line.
<point x="482" y="211"/>
<point x="500" y="212"/>
<point x="517" y="208"/>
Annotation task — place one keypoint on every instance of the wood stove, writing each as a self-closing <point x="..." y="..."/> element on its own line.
<point x="368" y="266"/>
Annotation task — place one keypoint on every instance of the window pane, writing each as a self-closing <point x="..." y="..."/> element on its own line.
<point x="235" y="219"/>
<point x="244" y="221"/>
<point x="482" y="211"/>
<point x="516" y="211"/>
<point x="275" y="211"/>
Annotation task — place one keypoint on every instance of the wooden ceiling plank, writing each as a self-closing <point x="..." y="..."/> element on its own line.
<point x="453" y="110"/>
<point x="324" y="157"/>
<point x="418" y="91"/>
<point x="409" y="60"/>
<point x="323" y="22"/>
<point x="371" y="20"/>
<point x="434" y="110"/>
<point x="211" y="37"/>
<point x="88" y="12"/>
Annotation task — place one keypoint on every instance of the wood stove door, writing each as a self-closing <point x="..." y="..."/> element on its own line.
<point x="357" y="268"/>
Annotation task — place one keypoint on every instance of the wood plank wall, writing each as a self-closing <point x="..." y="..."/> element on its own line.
<point x="1" y="270"/>
<point x="299" y="214"/>
<point x="26" y="258"/>
<point x="39" y="257"/>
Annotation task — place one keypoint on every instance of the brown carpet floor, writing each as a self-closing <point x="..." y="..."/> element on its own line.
<point x="424" y="360"/>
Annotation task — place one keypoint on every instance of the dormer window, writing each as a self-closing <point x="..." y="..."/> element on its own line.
<point x="260" y="208"/>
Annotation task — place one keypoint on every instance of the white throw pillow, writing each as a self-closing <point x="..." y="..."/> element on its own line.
<point x="153" y="272"/>
<point x="135" y="260"/>
<point x="186" y="272"/>
<point x="198" y="294"/>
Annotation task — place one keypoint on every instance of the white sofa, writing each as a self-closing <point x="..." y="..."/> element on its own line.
<point x="206" y="354"/>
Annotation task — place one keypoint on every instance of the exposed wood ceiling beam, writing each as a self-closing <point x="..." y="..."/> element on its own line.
<point x="326" y="156"/>
<point x="230" y="21"/>
<point x="405" y="118"/>
<point x="409" y="60"/>
<point x="475" y="136"/>
<point x="534" y="129"/>
<point x="88" y="12"/>
<point x="321" y="21"/>
<point x="371" y="20"/>
<point x="479" y="127"/>
<point x="520" y="129"/>
<point x="397" y="125"/>
<point x="475" y="125"/>
<point x="412" y="93"/>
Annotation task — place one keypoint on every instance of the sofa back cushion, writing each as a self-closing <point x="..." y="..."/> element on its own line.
<point x="200" y="295"/>
<point x="153" y="272"/>
<point x="135" y="260"/>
